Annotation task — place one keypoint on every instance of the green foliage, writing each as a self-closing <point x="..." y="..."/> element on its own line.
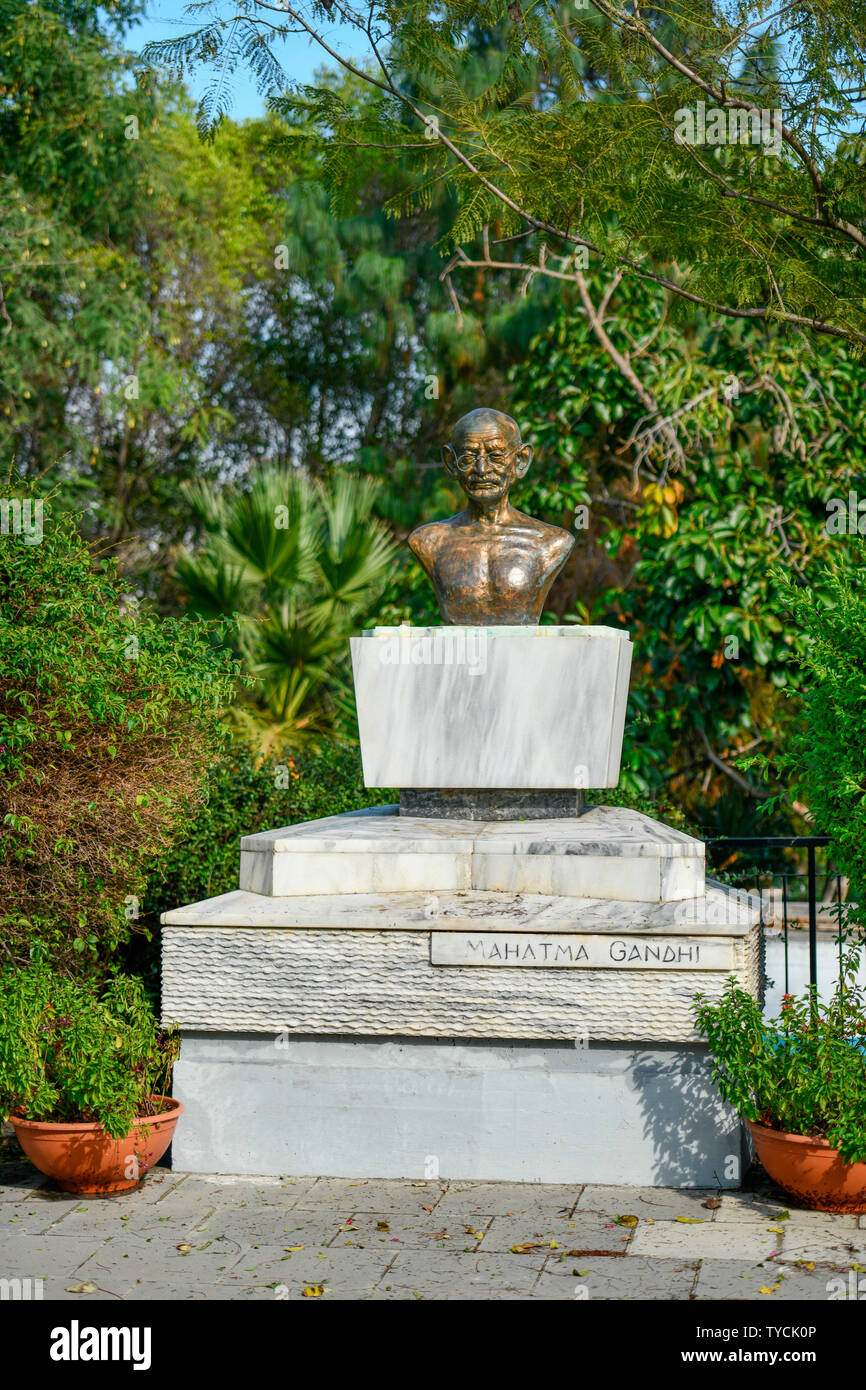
<point x="244" y="795"/>
<point x="821" y="759"/>
<point x="109" y="719"/>
<point x="803" y="1072"/>
<point x="301" y="564"/>
<point x="71" y="1050"/>
<point x="658" y="807"/>
<point x="127" y="251"/>
<point x="681" y="550"/>
<point x="570" y="122"/>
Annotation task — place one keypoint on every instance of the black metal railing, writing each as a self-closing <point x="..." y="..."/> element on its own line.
<point x="762" y="862"/>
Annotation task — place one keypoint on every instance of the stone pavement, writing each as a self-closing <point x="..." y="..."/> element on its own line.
<point x="183" y="1236"/>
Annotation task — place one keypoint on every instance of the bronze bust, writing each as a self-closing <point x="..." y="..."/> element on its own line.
<point x="490" y="564"/>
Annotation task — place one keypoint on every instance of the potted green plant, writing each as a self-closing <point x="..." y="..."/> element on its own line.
<point x="799" y="1081"/>
<point x="84" y="1072"/>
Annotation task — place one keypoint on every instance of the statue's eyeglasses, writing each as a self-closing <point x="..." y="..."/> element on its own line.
<point x="497" y="458"/>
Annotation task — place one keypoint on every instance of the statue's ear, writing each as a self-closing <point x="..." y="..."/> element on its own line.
<point x="449" y="459"/>
<point x="522" y="460"/>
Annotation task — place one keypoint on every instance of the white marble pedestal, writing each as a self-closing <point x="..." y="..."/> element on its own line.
<point x="489" y="707"/>
<point x="504" y="1001"/>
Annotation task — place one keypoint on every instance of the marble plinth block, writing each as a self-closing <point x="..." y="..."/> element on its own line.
<point x="485" y="1112"/>
<point x="513" y="707"/>
<point x="608" y="852"/>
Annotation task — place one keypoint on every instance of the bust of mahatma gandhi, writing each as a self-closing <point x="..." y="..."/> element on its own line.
<point x="490" y="564"/>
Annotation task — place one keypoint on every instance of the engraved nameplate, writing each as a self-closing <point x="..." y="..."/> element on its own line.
<point x="591" y="952"/>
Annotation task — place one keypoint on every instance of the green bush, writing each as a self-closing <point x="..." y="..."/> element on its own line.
<point x="822" y="761"/>
<point x="802" y="1073"/>
<point x="73" y="1050"/>
<point x="244" y="795"/>
<point x="109" y="720"/>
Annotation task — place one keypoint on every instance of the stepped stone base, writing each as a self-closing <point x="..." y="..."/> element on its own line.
<point x="608" y="852"/>
<point x="514" y="999"/>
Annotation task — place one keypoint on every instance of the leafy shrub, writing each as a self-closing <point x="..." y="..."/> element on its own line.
<point x="657" y="807"/>
<point x="300" y="564"/>
<point x="244" y="795"/>
<point x="822" y="760"/>
<point x="803" y="1072"/>
<point x="73" y="1050"/>
<point x="109" y="722"/>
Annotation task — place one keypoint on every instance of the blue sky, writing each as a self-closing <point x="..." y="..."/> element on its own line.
<point x="299" y="57"/>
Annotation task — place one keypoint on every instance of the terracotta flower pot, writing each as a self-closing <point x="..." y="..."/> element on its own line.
<point x="83" y="1158"/>
<point x="811" y="1170"/>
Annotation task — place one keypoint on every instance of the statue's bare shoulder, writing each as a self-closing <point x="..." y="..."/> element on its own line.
<point x="425" y="540"/>
<point x="555" y="543"/>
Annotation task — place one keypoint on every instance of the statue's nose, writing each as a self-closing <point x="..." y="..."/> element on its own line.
<point x="480" y="461"/>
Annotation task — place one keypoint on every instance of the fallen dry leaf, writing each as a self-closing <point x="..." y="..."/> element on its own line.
<point x="626" y="1221"/>
<point x="526" y="1247"/>
<point x="314" y="1291"/>
<point x="81" y="1288"/>
<point x="382" y="1226"/>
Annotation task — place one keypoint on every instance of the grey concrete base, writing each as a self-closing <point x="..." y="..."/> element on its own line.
<point x="485" y="1111"/>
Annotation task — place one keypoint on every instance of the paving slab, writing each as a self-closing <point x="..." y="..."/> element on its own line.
<point x="737" y="1280"/>
<point x="119" y="1267"/>
<point x="372" y="1195"/>
<point x="19" y="1179"/>
<point x="146" y="1291"/>
<point x="607" y="1278"/>
<point x="742" y="1206"/>
<point x="386" y="1230"/>
<point x="287" y="1274"/>
<point x="106" y="1221"/>
<point x="60" y="1289"/>
<point x="45" y="1256"/>
<point x="705" y="1240"/>
<point x="586" y="1232"/>
<point x="446" y="1275"/>
<point x="244" y="1190"/>
<point x="250" y="1225"/>
<point x="659" y="1203"/>
<point x="826" y="1245"/>
<point x="30" y="1218"/>
<point x="508" y="1199"/>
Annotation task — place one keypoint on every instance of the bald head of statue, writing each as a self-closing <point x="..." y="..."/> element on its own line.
<point x="486" y="455"/>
